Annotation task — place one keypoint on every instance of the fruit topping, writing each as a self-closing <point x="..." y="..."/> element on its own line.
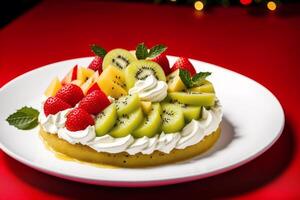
<point x="53" y="105"/>
<point x="97" y="62"/>
<point x="70" y="93"/>
<point x="89" y="83"/>
<point x="52" y="89"/>
<point x="119" y="58"/>
<point x="196" y="99"/>
<point x="184" y="63"/>
<point x="71" y="76"/>
<point x="163" y="61"/>
<point x="146" y="106"/>
<point x="94" y="102"/>
<point x="175" y="83"/>
<point x="106" y="120"/>
<point x="173" y="119"/>
<point x="127" y="104"/>
<point x="126" y="124"/>
<point x="140" y="70"/>
<point x="93" y="88"/>
<point x="78" y="119"/>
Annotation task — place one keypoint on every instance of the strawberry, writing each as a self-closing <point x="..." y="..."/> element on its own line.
<point x="74" y="73"/>
<point x="184" y="63"/>
<point x="95" y="86"/>
<point x="70" y="93"/>
<point x="53" y="105"/>
<point x="78" y="119"/>
<point x="96" y="64"/>
<point x="94" y="102"/>
<point x="163" y="61"/>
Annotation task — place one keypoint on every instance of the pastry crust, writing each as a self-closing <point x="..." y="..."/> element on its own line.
<point x="87" y="154"/>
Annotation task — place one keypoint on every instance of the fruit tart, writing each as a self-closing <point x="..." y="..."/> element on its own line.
<point x="131" y="109"/>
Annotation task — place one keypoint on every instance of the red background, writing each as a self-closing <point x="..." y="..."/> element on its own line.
<point x="264" y="47"/>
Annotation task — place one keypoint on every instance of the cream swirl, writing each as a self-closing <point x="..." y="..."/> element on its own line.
<point x="74" y="137"/>
<point x="150" y="89"/>
<point x="191" y="134"/>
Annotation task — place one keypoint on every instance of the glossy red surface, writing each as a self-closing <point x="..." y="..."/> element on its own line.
<point x="263" y="47"/>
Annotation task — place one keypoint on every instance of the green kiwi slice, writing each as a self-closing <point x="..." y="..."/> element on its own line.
<point x="127" y="124"/>
<point x="193" y="98"/>
<point x="106" y="120"/>
<point x="140" y="70"/>
<point x="152" y="123"/>
<point x="206" y="87"/>
<point x="119" y="58"/>
<point x="173" y="119"/>
<point x="127" y="104"/>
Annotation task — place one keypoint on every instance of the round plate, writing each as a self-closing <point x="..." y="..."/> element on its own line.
<point x="253" y="121"/>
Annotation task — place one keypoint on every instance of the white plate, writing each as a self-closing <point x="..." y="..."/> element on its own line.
<point x="253" y="121"/>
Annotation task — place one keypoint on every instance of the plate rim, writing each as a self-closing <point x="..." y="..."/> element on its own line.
<point x="152" y="182"/>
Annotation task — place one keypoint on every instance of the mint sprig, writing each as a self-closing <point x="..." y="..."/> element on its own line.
<point x="25" y="118"/>
<point x="197" y="80"/>
<point x="97" y="50"/>
<point x="142" y="52"/>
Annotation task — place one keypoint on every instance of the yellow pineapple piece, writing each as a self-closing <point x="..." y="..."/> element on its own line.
<point x="88" y="84"/>
<point x="54" y="86"/>
<point x="83" y="74"/>
<point x="116" y="75"/>
<point x="146" y="106"/>
<point x="175" y="84"/>
<point x="109" y="87"/>
<point x="207" y="87"/>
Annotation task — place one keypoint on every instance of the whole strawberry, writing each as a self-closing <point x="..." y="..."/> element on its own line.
<point x="70" y="93"/>
<point x="53" y="105"/>
<point x="163" y="61"/>
<point x="94" y="102"/>
<point x="96" y="64"/>
<point x="184" y="63"/>
<point x="78" y="119"/>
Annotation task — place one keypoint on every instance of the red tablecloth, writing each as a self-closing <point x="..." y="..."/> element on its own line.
<point x="263" y="47"/>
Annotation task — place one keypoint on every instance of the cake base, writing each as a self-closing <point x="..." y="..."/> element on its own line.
<point x="87" y="154"/>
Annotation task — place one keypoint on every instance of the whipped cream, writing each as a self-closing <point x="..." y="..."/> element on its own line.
<point x="191" y="134"/>
<point x="150" y="89"/>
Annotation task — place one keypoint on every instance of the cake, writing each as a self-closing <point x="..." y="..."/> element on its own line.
<point x="131" y="109"/>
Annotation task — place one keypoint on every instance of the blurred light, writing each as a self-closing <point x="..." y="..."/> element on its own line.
<point x="271" y="5"/>
<point x="198" y="5"/>
<point x="246" y="2"/>
<point x="173" y="0"/>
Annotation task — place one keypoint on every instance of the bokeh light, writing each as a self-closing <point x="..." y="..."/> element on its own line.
<point x="271" y="5"/>
<point x="199" y="5"/>
<point x="246" y="2"/>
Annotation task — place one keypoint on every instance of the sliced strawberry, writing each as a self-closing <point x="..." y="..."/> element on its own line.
<point x="53" y="105"/>
<point x="184" y="63"/>
<point x="74" y="73"/>
<point x="70" y="93"/>
<point x="96" y="64"/>
<point x="78" y="119"/>
<point x="163" y="61"/>
<point x="93" y="88"/>
<point x="94" y="102"/>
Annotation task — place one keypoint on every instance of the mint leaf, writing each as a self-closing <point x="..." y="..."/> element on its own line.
<point x="185" y="77"/>
<point x="97" y="50"/>
<point x="25" y="118"/>
<point x="199" y="78"/>
<point x="141" y="51"/>
<point x="156" y="50"/>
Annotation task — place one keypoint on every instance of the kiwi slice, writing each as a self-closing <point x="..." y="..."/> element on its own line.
<point x="119" y="58"/>
<point x="152" y="123"/>
<point x="206" y="87"/>
<point x="127" y="104"/>
<point x="189" y="112"/>
<point x="193" y="98"/>
<point x="140" y="70"/>
<point x="173" y="119"/>
<point x="127" y="124"/>
<point x="106" y="120"/>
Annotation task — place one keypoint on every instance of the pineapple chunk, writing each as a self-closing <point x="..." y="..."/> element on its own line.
<point x="146" y="106"/>
<point x="116" y="75"/>
<point x="175" y="84"/>
<point x="109" y="87"/>
<point x="84" y="74"/>
<point x="88" y="84"/>
<point x="54" y="86"/>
